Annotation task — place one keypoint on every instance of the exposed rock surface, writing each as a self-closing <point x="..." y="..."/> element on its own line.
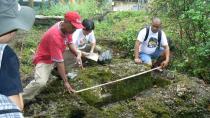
<point x="184" y="97"/>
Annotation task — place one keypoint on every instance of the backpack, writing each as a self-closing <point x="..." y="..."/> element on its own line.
<point x="170" y="42"/>
<point x="159" y="35"/>
<point x="105" y="57"/>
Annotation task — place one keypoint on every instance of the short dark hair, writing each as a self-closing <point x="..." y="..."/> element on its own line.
<point x="88" y="24"/>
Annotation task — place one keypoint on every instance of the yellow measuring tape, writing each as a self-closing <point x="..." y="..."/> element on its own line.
<point x="93" y="87"/>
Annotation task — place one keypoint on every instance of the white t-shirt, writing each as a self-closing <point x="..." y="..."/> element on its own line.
<point x="79" y="39"/>
<point x="149" y="46"/>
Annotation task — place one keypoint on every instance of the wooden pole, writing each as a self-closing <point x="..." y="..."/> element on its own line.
<point x="93" y="87"/>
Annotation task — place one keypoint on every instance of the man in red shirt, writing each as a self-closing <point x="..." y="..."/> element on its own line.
<point x="50" y="53"/>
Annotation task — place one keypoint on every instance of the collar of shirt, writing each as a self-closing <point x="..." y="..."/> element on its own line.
<point x="65" y="36"/>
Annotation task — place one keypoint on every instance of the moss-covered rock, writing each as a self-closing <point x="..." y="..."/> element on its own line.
<point x="54" y="100"/>
<point x="184" y="98"/>
<point x="118" y="69"/>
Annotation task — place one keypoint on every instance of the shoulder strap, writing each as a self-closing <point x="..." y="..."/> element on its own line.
<point x="159" y="37"/>
<point x="147" y="33"/>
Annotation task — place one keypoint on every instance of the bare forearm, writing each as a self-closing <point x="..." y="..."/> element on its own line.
<point x="137" y="47"/>
<point x="73" y="49"/>
<point x="167" y="51"/>
<point x="61" y="71"/>
<point x="93" y="45"/>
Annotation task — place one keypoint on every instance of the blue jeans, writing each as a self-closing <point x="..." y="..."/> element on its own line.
<point x="147" y="58"/>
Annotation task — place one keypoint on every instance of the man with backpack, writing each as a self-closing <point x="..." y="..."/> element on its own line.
<point x="151" y="44"/>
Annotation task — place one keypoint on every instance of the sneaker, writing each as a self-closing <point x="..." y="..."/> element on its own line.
<point x="71" y="75"/>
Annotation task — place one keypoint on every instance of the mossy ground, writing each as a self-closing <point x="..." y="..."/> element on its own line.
<point x="143" y="96"/>
<point x="55" y="101"/>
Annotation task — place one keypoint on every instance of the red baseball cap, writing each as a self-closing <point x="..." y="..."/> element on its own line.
<point x="74" y="18"/>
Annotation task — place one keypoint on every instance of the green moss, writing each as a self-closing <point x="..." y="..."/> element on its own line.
<point x="156" y="107"/>
<point x="191" y="112"/>
<point x="94" y="76"/>
<point x="161" y="82"/>
<point x="147" y="108"/>
<point x="130" y="87"/>
<point x="91" y="77"/>
<point x="116" y="110"/>
<point x="178" y="101"/>
<point x="55" y="101"/>
<point x="143" y="113"/>
<point x="119" y="91"/>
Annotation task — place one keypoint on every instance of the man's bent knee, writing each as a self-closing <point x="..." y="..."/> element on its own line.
<point x="148" y="63"/>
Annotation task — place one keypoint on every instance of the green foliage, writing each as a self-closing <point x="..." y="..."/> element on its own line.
<point x="55" y="10"/>
<point x="127" y="40"/>
<point x="26" y="46"/>
<point x="122" y="27"/>
<point x="104" y="31"/>
<point x="87" y="8"/>
<point x="118" y="16"/>
<point x="191" y="21"/>
<point x="196" y="61"/>
<point x="190" y="17"/>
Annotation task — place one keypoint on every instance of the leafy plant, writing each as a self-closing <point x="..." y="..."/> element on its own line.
<point x="87" y="8"/>
<point x="191" y="22"/>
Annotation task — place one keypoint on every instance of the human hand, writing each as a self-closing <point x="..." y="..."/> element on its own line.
<point x="69" y="88"/>
<point x="91" y="51"/>
<point x="137" y="61"/>
<point x="79" y="61"/>
<point x="86" y="53"/>
<point x="164" y="64"/>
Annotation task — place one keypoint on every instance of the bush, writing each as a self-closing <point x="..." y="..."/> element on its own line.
<point x="199" y="61"/>
<point x="87" y="9"/>
<point x="122" y="27"/>
<point x="190" y="19"/>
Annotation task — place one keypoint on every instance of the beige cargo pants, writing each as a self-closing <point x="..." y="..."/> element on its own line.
<point x="42" y="73"/>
